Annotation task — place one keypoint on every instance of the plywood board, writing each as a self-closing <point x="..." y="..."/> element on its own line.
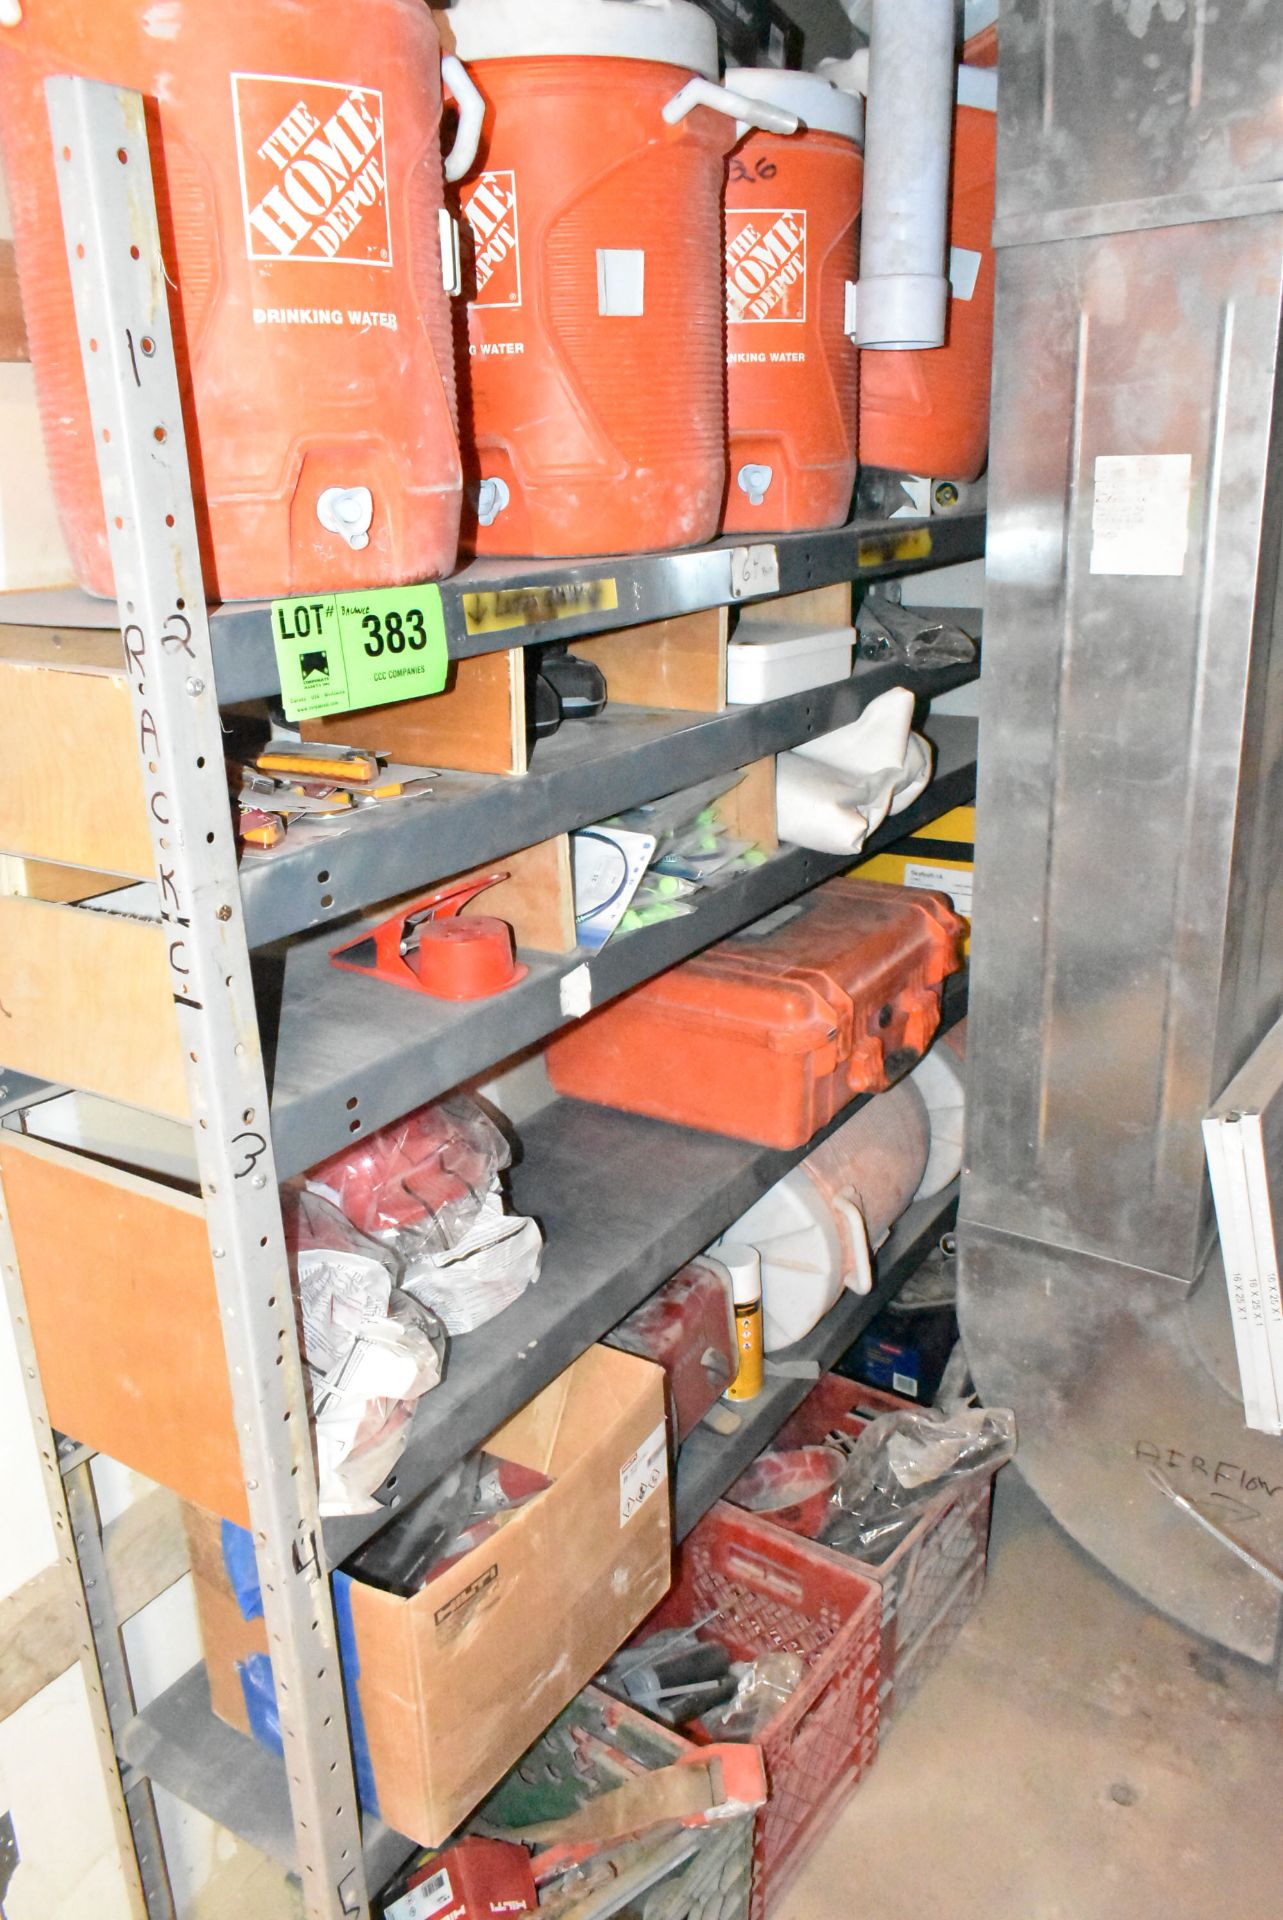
<point x="38" y="880"/>
<point x="79" y="649"/>
<point x="145" y="1550"/>
<point x="72" y="790"/>
<point x="748" y="810"/>
<point x="13" y="328"/>
<point x="814" y="611"/>
<point x="478" y="725"/>
<point x="125" y="1265"/>
<point x="85" y="1001"/>
<point x="146" y="1554"/>
<point x="40" y="1634"/>
<point x="678" y="663"/>
<point x="537" y="899"/>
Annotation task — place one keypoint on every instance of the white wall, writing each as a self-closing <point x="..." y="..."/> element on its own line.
<point x="32" y="553"/>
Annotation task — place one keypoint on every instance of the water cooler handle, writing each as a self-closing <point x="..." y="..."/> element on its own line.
<point x="467" y="97"/>
<point x="860" y="1277"/>
<point x="737" y="106"/>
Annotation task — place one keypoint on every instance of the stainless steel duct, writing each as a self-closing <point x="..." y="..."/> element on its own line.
<point x="1128" y="950"/>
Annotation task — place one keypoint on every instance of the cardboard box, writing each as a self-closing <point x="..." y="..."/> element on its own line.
<point x="939" y="856"/>
<point x="448" y="1688"/>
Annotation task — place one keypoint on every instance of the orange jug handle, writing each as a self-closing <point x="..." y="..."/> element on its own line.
<point x="737" y="106"/>
<point x="468" y="98"/>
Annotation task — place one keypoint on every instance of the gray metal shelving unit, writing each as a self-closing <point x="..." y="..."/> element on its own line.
<point x="648" y="586"/>
<point x="179" y="1744"/>
<point x="626" y="756"/>
<point x="623" y="1201"/>
<point x="346" y="1048"/>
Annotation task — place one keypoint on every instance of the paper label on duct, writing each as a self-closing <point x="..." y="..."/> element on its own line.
<point x="954" y="881"/>
<point x="1140" y="513"/>
<point x="643" y="1473"/>
<point x="489" y="209"/>
<point x="765" y="264"/>
<point x="313" y="171"/>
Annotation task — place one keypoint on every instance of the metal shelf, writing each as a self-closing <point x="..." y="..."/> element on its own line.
<point x="583" y="773"/>
<point x="709" y="1463"/>
<point x="352" y="1054"/>
<point x="179" y="1743"/>
<point x="648" y="586"/>
<point x="623" y="1202"/>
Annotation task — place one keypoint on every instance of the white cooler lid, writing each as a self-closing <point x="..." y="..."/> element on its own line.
<point x="670" y="31"/>
<point x="817" y="103"/>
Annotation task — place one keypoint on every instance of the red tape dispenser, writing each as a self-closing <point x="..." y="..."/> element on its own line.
<point x="429" y="949"/>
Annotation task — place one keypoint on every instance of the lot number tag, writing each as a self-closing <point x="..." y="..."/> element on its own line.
<point x="339" y="651"/>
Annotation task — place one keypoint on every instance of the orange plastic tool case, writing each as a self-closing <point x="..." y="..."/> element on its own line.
<point x="768" y="1034"/>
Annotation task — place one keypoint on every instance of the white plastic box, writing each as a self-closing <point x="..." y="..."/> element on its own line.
<point x="767" y="660"/>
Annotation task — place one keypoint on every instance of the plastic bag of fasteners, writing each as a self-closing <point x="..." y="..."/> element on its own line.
<point x="904" y="1461"/>
<point x="417" y="1185"/>
<point x="370" y="1350"/>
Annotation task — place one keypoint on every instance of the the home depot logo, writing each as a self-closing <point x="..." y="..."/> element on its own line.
<point x="765" y="264"/>
<point x="490" y="210"/>
<point x="313" y="175"/>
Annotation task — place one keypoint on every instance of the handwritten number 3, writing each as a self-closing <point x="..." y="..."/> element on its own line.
<point x="253" y="1146"/>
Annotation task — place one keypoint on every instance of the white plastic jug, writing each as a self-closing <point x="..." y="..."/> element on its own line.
<point x="818" y="1227"/>
<point x="940" y="1078"/>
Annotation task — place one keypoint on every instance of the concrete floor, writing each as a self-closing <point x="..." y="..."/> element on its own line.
<point x="1076" y="1757"/>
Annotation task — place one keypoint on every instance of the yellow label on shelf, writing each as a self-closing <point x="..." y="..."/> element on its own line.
<point x="886" y="549"/>
<point x="536" y="604"/>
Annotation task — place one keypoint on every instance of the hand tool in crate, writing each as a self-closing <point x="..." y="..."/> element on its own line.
<point x="761" y="1592"/>
<point x="767" y="1035"/>
<point x="932" y="1581"/>
<point x="606" y="1773"/>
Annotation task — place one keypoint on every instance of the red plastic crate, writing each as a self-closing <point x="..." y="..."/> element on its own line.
<point x="777" y="1593"/>
<point x="933" y="1581"/>
<point x="931" y="1644"/>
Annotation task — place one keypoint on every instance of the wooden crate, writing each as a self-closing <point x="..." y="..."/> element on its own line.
<point x="120" y="1295"/>
<point x="72" y="792"/>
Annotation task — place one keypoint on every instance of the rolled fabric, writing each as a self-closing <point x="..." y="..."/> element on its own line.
<point x="815" y="808"/>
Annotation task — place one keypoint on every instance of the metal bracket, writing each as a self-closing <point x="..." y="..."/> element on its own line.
<point x="140" y="1883"/>
<point x="122" y="315"/>
<point x="118" y="1692"/>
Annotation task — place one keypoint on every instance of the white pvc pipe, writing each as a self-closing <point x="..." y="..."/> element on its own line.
<point x="903" y="292"/>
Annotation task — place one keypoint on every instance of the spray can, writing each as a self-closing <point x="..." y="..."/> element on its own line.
<point x="744" y="1265"/>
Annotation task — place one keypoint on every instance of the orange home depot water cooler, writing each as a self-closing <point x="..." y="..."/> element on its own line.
<point x="596" y="375"/>
<point x="295" y="148"/>
<point x="792" y="225"/>
<point x="928" y="412"/>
